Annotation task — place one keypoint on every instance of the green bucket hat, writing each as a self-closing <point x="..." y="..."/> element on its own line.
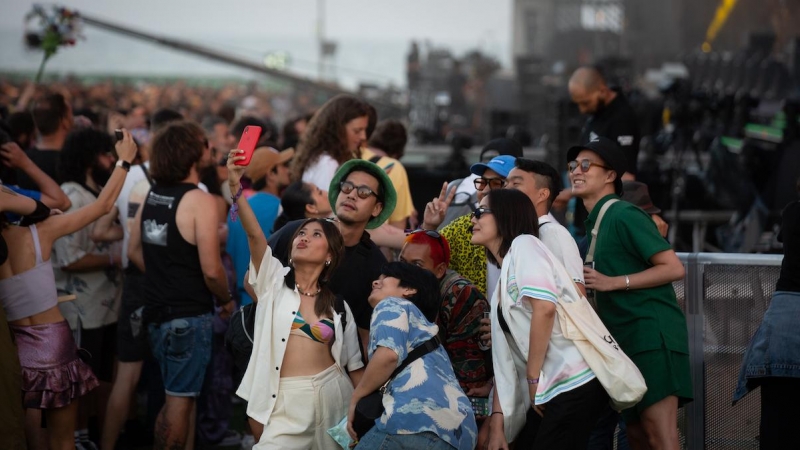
<point x="386" y="188"/>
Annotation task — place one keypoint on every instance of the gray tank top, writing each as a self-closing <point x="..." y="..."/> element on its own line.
<point x="32" y="291"/>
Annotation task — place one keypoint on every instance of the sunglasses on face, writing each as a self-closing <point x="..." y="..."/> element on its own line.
<point x="585" y="165"/>
<point x="362" y="191"/>
<point x="494" y="183"/>
<point x="479" y="212"/>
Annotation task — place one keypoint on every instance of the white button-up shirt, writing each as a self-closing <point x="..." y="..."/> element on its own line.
<point x="277" y="307"/>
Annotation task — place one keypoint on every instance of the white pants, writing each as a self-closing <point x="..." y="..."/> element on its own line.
<point x="305" y="409"/>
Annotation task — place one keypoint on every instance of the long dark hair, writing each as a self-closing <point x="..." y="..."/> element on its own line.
<point x="514" y="215"/>
<point x="427" y="286"/>
<point x="326" y="297"/>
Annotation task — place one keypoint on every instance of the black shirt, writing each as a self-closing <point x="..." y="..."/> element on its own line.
<point x="790" y="236"/>
<point x="174" y="283"/>
<point x="617" y="121"/>
<point x="47" y="160"/>
<point x="353" y="278"/>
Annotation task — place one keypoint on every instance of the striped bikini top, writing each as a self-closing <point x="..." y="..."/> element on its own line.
<point x="321" y="331"/>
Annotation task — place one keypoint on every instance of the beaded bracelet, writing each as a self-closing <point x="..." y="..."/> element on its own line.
<point x="235" y="206"/>
<point x="533" y="381"/>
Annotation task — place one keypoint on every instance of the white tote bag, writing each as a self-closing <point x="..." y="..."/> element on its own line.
<point x="616" y="372"/>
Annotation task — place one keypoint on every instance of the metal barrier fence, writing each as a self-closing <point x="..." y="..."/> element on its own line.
<point x="724" y="297"/>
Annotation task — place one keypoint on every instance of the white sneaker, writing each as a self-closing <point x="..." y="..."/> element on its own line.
<point x="248" y="441"/>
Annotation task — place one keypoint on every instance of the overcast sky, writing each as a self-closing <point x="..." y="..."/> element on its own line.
<point x="256" y="26"/>
<point x="439" y="20"/>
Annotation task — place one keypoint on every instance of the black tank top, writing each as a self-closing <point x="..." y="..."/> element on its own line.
<point x="174" y="283"/>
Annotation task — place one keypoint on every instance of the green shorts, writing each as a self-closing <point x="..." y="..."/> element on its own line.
<point x="666" y="373"/>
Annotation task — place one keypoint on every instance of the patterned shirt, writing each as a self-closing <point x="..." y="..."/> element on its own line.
<point x="459" y="320"/>
<point x="467" y="259"/>
<point x="98" y="292"/>
<point x="425" y="396"/>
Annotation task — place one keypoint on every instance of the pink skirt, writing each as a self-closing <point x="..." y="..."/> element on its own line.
<point x="52" y="373"/>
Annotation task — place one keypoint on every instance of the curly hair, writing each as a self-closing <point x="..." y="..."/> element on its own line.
<point x="326" y="133"/>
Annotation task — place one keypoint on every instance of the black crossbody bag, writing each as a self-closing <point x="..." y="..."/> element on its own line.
<point x="370" y="408"/>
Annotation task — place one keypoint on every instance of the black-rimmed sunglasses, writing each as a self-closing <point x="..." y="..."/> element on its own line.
<point x="585" y="165"/>
<point x="479" y="212"/>
<point x="494" y="183"/>
<point x="362" y="191"/>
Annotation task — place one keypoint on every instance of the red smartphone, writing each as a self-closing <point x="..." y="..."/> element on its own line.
<point x="248" y="143"/>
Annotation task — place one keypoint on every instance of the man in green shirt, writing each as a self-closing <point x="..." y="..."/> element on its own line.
<point x="634" y="268"/>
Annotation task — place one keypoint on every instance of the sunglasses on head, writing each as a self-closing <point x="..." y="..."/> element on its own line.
<point x="585" y="165"/>
<point x="362" y="191"/>
<point x="430" y="233"/>
<point x="478" y="212"/>
<point x="494" y="183"/>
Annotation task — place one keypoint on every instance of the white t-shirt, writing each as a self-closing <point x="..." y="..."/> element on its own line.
<point x="492" y="276"/>
<point x="321" y="172"/>
<point x="135" y="175"/>
<point x="562" y="245"/>
<point x="531" y="270"/>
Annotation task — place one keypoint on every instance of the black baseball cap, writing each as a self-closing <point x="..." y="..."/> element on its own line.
<point x="609" y="152"/>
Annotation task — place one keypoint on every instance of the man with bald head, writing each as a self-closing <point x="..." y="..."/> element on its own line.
<point x="610" y="115"/>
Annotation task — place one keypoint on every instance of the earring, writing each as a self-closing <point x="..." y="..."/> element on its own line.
<point x="328" y="262"/>
<point x="290" y="262"/>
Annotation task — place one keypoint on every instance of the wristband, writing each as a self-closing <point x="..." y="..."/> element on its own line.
<point x="627" y="283"/>
<point x="496" y="412"/>
<point x="42" y="212"/>
<point x="533" y="380"/>
<point x="235" y="206"/>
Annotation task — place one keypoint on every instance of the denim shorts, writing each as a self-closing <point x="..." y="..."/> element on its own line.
<point x="379" y="440"/>
<point x="182" y="348"/>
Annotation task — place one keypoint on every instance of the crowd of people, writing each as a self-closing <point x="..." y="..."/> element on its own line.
<point x="139" y="249"/>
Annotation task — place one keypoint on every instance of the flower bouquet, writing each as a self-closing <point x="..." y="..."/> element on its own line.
<point x="57" y="27"/>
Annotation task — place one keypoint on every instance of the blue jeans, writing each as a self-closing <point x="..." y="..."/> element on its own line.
<point x="379" y="440"/>
<point x="774" y="350"/>
<point x="182" y="348"/>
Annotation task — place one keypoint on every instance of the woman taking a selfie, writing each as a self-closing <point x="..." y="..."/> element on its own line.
<point x="425" y="406"/>
<point x="296" y="383"/>
<point x="545" y="395"/>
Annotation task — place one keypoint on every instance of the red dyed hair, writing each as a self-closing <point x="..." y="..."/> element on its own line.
<point x="440" y="249"/>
